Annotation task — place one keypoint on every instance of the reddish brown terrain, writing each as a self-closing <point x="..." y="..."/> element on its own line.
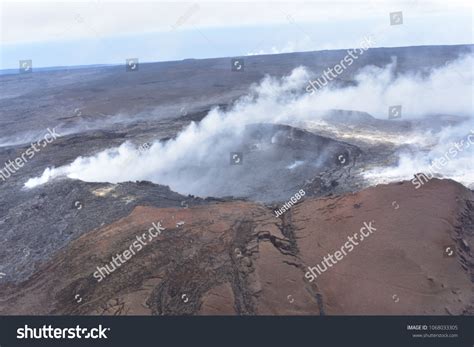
<point x="237" y="258"/>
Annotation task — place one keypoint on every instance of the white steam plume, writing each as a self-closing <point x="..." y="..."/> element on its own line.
<point x="190" y="162"/>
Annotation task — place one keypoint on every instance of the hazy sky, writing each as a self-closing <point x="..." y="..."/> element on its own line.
<point x="108" y="32"/>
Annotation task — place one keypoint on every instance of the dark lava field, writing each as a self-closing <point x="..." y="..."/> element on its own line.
<point x="231" y="255"/>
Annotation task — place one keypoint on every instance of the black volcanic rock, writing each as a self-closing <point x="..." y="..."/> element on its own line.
<point x="38" y="222"/>
<point x="237" y="258"/>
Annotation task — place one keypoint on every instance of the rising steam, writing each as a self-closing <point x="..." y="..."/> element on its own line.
<point x="192" y="161"/>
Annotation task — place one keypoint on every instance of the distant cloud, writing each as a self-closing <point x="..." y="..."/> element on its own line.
<point x="107" y="32"/>
<point x="34" y="21"/>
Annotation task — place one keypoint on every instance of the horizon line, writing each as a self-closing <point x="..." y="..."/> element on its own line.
<point x="98" y="65"/>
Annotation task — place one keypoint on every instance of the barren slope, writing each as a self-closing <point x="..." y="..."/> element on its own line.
<point x="238" y="258"/>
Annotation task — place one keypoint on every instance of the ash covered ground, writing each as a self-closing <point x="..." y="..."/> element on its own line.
<point x="195" y="142"/>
